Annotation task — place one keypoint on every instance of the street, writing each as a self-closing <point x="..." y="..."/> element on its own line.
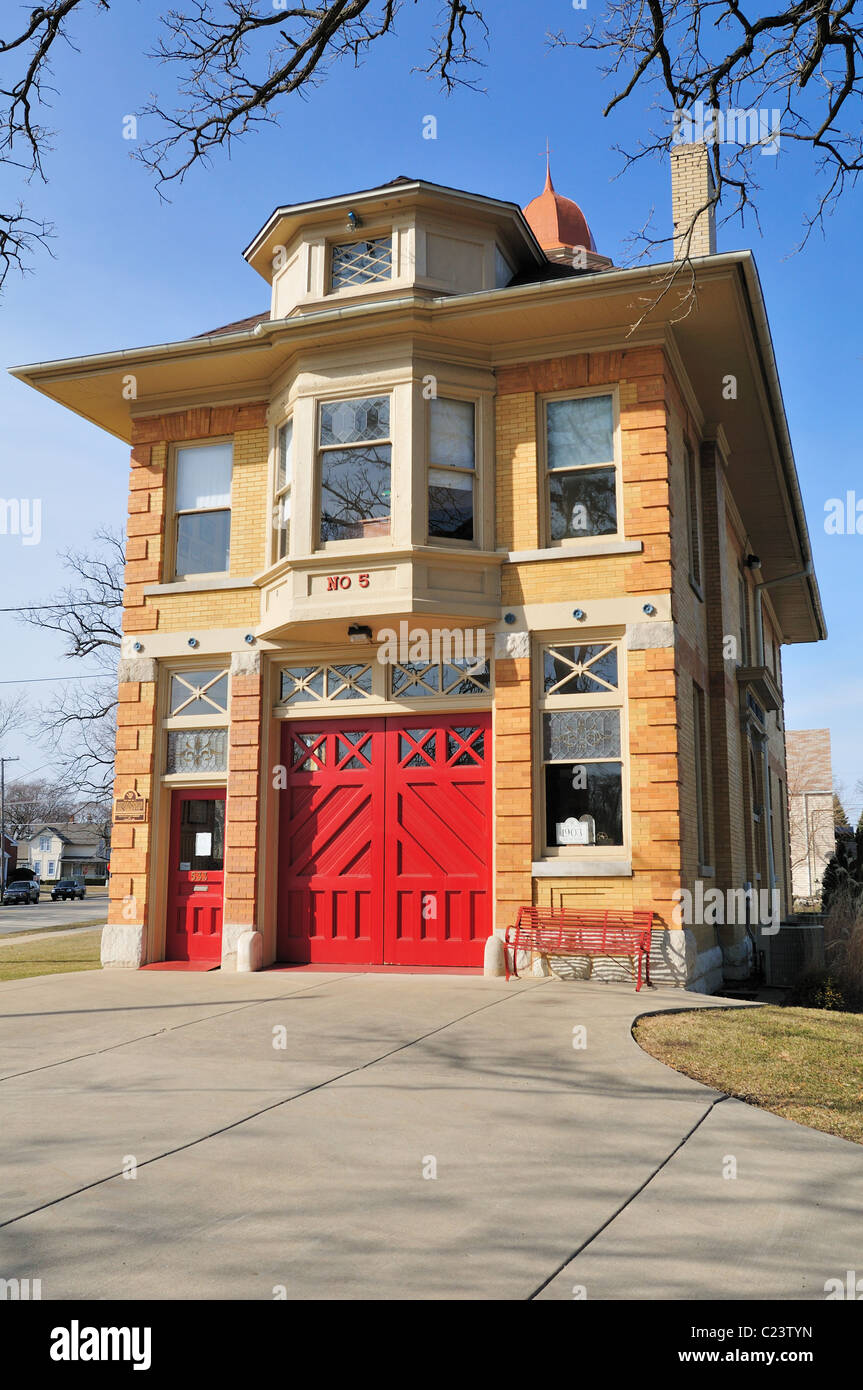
<point x="26" y="917"/>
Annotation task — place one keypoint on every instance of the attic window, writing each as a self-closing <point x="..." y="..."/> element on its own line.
<point x="361" y="262"/>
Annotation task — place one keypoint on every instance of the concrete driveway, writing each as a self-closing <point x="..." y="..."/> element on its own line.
<point x="260" y="1166"/>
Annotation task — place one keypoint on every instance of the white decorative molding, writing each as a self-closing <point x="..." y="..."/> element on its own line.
<point x="642" y="637"/>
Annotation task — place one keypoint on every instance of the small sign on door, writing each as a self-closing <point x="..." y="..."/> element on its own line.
<point x="203" y="844"/>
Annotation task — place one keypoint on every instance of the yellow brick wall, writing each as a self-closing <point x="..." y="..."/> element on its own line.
<point x="644" y="381"/>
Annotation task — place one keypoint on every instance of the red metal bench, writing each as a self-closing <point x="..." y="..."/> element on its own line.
<point x="573" y="932"/>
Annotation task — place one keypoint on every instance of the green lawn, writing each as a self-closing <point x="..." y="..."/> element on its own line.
<point x="78" y="950"/>
<point x="805" y="1064"/>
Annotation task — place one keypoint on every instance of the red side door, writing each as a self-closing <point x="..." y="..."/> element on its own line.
<point x="196" y="876"/>
<point x="437" y="908"/>
<point x="331" y="851"/>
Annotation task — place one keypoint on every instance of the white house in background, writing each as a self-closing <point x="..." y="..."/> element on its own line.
<point x="66" y="850"/>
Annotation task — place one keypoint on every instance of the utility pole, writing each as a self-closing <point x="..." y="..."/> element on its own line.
<point x="3" y="762"/>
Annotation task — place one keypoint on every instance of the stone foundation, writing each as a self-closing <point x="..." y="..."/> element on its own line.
<point x="122" y="946"/>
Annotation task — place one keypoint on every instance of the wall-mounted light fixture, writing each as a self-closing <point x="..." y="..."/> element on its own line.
<point x="579" y="614"/>
<point x="649" y="609"/>
<point x="357" y="632"/>
<point x="137" y="646"/>
<point x="509" y="618"/>
<point x="250" y="637"/>
<point x="353" y="221"/>
<point x="753" y="562"/>
<point x="193" y="641"/>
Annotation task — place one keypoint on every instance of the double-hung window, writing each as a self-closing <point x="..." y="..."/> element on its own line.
<point x="282" y="513"/>
<point x="355" y="454"/>
<point x="580" y="466"/>
<point x="203" y="509"/>
<point x="581" y="712"/>
<point x="452" y="469"/>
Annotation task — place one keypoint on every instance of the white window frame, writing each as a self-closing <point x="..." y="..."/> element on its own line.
<point x="585" y="542"/>
<point x="176" y="513"/>
<point x="281" y="494"/>
<point x="547" y="704"/>
<point x="452" y="542"/>
<point x="350" y="239"/>
<point x="177" y="722"/>
<point x="383" y="540"/>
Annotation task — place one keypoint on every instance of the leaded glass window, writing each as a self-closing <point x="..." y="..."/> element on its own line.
<point x="194" y="693"/>
<point x="312" y="684"/>
<point x="355" y="468"/>
<point x="582" y="746"/>
<point x="411" y="680"/>
<point x="197" y="750"/>
<point x="582" y="481"/>
<point x="580" y="670"/>
<point x="361" y="262"/>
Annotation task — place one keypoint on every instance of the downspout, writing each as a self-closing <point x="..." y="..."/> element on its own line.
<point x="759" y="653"/>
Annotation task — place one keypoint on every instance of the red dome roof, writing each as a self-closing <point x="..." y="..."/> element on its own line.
<point x="557" y="221"/>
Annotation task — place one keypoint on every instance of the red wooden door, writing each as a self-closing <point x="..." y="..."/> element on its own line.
<point x="437" y="908"/>
<point x="331" y="843"/>
<point x="385" y="841"/>
<point x="196" y="876"/>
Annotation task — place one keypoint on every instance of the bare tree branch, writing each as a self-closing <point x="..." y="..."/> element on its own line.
<point x="78" y="726"/>
<point x="794" y="74"/>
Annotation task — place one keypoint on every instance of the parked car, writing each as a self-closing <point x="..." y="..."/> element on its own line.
<point x="68" y="888"/>
<point x="21" y="891"/>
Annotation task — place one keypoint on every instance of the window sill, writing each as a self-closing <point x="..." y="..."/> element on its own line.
<point x="581" y="868"/>
<point x="199" y="585"/>
<point x="577" y="550"/>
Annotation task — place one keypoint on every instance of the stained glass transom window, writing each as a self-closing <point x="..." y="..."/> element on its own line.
<point x="197" y="750"/>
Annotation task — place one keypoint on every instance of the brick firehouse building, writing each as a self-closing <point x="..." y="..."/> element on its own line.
<point x="449" y="590"/>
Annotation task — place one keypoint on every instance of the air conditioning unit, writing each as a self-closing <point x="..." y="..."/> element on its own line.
<point x="795" y="949"/>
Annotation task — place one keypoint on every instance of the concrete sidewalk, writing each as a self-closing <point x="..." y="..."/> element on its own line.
<point x="260" y="1166"/>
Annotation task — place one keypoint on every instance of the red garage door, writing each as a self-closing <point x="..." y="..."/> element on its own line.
<point x="385" y="841"/>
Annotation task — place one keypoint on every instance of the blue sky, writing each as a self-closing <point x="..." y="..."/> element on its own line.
<point x="130" y="270"/>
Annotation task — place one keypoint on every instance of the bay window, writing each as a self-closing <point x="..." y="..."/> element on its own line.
<point x="452" y="467"/>
<point x="581" y="713"/>
<point x="355" y="460"/>
<point x="580" y="466"/>
<point x="203" y="509"/>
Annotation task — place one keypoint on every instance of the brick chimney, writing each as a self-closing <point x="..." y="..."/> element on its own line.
<point x="691" y="186"/>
